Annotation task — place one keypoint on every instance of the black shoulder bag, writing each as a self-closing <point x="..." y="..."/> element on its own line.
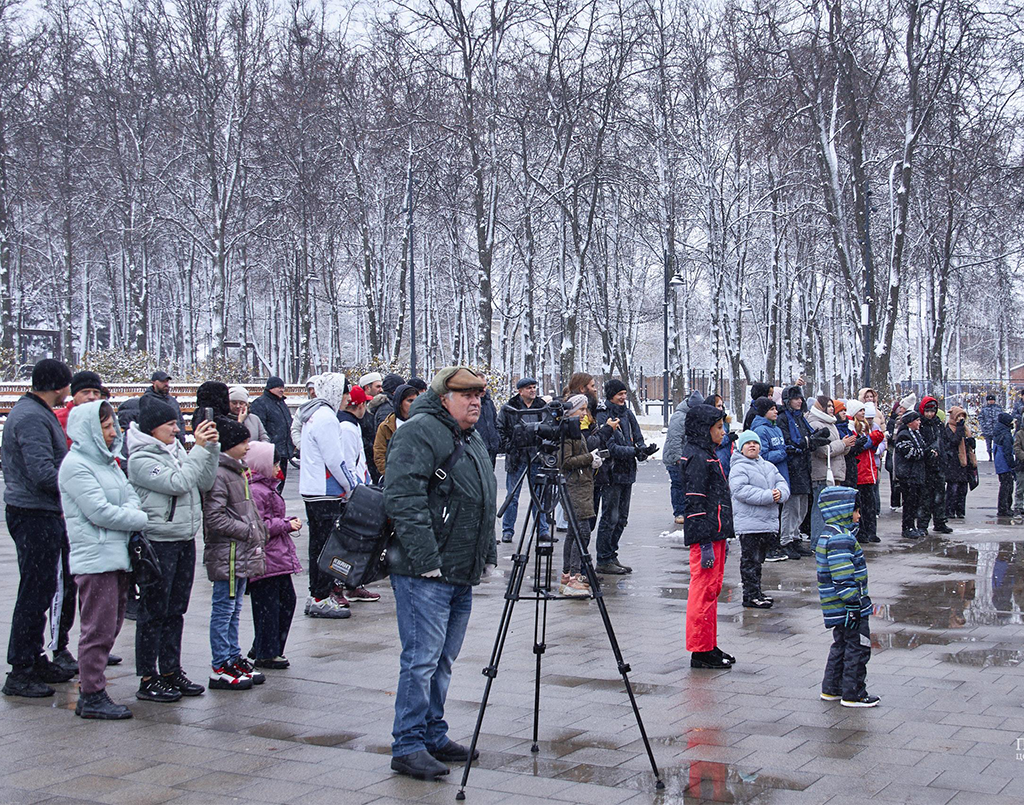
<point x="356" y="550"/>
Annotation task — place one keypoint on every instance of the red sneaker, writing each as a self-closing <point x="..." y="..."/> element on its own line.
<point x="361" y="594"/>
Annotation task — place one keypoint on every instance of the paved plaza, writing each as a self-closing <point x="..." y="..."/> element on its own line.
<point x="948" y="640"/>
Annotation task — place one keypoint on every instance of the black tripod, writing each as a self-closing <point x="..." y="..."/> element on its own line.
<point x="546" y="485"/>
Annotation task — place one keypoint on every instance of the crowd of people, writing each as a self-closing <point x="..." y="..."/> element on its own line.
<point x="105" y="507"/>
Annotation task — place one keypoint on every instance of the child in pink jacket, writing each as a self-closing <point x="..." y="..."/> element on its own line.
<point x="273" y="595"/>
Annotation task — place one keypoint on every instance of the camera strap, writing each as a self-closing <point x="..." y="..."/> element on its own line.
<point x="441" y="473"/>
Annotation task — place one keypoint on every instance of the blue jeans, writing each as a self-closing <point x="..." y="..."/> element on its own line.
<point x="224" y="622"/>
<point x="432" y="620"/>
<point x="677" y="490"/>
<point x="508" y="520"/>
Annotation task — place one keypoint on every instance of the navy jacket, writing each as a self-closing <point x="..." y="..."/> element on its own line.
<point x="708" y="506"/>
<point x="622" y="443"/>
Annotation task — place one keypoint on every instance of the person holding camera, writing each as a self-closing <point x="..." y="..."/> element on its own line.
<point x="516" y="457"/>
<point x="441" y="496"/>
<point x="620" y="433"/>
<point x="578" y="464"/>
<point x="169" y="483"/>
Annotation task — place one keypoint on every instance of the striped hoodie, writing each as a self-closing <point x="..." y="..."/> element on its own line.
<point x="842" y="571"/>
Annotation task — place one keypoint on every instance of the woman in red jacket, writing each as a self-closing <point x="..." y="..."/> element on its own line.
<point x="867" y="471"/>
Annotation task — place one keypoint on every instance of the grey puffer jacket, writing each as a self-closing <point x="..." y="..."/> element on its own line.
<point x="675" y="439"/>
<point x="751" y="481"/>
<point x="169" y="483"/>
<point x="233" y="528"/>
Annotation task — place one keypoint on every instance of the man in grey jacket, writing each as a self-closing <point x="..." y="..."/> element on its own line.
<point x="33" y="447"/>
<point x="675" y="439"/>
<point x="169" y="482"/>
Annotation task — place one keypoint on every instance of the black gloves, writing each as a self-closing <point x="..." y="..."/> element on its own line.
<point x="642" y="452"/>
<point x="733" y="436"/>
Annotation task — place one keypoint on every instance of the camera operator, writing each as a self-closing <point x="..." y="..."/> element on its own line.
<point x="440" y="493"/>
<point x="620" y="433"/>
<point x="516" y="457"/>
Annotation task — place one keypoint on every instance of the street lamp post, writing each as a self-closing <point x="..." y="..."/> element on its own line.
<point x="671" y="281"/>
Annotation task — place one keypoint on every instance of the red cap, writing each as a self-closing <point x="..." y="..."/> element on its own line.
<point x="356" y="396"/>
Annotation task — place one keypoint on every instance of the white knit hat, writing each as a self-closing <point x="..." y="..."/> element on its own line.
<point x="370" y="377"/>
<point x="238" y="394"/>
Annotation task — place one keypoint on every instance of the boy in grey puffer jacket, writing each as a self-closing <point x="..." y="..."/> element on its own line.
<point x="757" y="488"/>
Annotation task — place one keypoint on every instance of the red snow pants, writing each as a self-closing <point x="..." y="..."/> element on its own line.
<point x="702" y="600"/>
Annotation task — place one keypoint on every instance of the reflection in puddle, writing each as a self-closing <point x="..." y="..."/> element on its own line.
<point x="986" y="658"/>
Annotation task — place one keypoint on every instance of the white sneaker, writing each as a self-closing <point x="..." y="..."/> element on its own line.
<point x="328" y="608"/>
<point x="309" y="603"/>
<point x="574" y="589"/>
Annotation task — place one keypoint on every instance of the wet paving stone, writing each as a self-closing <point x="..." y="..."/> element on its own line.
<point x="947" y="640"/>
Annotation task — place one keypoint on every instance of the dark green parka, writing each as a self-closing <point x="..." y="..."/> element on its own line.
<point x="447" y="524"/>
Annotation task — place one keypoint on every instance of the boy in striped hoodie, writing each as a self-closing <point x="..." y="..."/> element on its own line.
<point x="843" y="590"/>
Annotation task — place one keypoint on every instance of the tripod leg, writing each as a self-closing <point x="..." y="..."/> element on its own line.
<point x="623" y="666"/>
<point x="512" y="591"/>
<point x="545" y="552"/>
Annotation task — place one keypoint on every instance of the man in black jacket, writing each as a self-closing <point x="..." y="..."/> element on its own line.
<point x="516" y="457"/>
<point x="487" y="427"/>
<point x="909" y="467"/>
<point x="34" y="445"/>
<point x="161" y="390"/>
<point x="933" y="493"/>
<point x="273" y="411"/>
<point x="619" y="431"/>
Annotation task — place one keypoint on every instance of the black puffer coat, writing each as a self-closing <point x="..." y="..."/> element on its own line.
<point x="277" y="419"/>
<point x="622" y="444"/>
<point x="910" y="456"/>
<point x="708" y="508"/>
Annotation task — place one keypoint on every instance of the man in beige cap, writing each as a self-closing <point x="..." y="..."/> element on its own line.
<point x="440" y="493"/>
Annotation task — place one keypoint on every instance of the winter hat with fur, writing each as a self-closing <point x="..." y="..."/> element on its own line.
<point x="214" y="394"/>
<point x="50" y="375"/>
<point x="330" y="387"/>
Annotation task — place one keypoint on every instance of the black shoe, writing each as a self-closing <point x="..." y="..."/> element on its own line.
<point x="131" y="611"/>
<point x="775" y="555"/>
<point x="611" y="569"/>
<point x="113" y="659"/>
<point x="757" y="602"/>
<point x="98" y="705"/>
<point x="66" y="660"/>
<point x="420" y="765"/>
<point x="867" y="700"/>
<point x="802" y="549"/>
<point x="452" y="752"/>
<point x="504" y="538"/>
<point x="155" y="689"/>
<point x="727" y="657"/>
<point x="53" y="674"/>
<point x="27" y="687"/>
<point x="627" y="568"/>
<point x="919" y="533"/>
<point x="791" y="551"/>
<point x="273" y="663"/>
<point x="708" y="659"/>
<point x="182" y="684"/>
<point x="872" y="538"/>
<point x="942" y="528"/>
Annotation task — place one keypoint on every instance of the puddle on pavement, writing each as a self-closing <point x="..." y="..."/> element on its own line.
<point x="703" y="780"/>
<point x="598" y="775"/>
<point x="639" y="688"/>
<point x="986" y="658"/>
<point x="911" y="640"/>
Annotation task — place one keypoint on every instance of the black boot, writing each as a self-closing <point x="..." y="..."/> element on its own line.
<point x="66" y="660"/>
<point x="708" y="659"/>
<point x="420" y="765"/>
<point x="27" y="686"/>
<point x="98" y="705"/>
<point x="452" y="752"/>
<point x="727" y="657"/>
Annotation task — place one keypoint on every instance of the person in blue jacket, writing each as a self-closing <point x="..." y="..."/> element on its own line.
<point x="1005" y="463"/>
<point x="773" y="450"/>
